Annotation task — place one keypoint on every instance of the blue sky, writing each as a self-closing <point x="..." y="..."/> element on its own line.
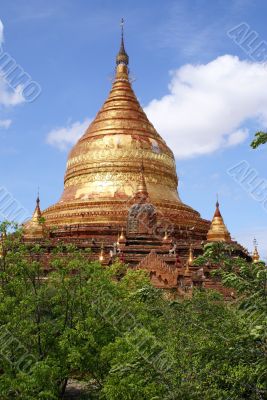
<point x="179" y="52"/>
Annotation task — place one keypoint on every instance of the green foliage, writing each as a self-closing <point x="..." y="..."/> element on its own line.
<point x="259" y="139"/>
<point x="248" y="279"/>
<point x="191" y="349"/>
<point x="111" y="328"/>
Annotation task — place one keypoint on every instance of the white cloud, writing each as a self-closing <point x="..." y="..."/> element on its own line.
<point x="5" y="123"/>
<point x="208" y="105"/>
<point x="63" y="137"/>
<point x="237" y="137"/>
<point x="8" y="96"/>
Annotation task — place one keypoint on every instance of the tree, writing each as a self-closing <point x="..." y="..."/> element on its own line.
<point x="260" y="138"/>
<point x="108" y="326"/>
<point x="202" y="350"/>
<point x="55" y="326"/>
<point x="249" y="281"/>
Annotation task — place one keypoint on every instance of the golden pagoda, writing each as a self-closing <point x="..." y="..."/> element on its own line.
<point x="121" y="197"/>
<point x="103" y="168"/>
<point x="218" y="231"/>
<point x="34" y="228"/>
<point x="255" y="254"/>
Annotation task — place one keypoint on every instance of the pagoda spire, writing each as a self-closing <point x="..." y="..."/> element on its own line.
<point x="122" y="56"/>
<point x="122" y="59"/>
<point x="34" y="228"/>
<point x="217" y="210"/>
<point x="218" y="231"/>
<point x="37" y="214"/>
<point x="142" y="192"/>
<point x="255" y="254"/>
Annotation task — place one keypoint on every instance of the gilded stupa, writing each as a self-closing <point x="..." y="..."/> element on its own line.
<point x="103" y="168"/>
<point x="255" y="254"/>
<point x="218" y="231"/>
<point x="34" y="228"/>
<point x="121" y="198"/>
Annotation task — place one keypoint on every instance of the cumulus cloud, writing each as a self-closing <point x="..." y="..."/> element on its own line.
<point x="10" y="97"/>
<point x="63" y="137"/>
<point x="207" y="105"/>
<point x="5" y="123"/>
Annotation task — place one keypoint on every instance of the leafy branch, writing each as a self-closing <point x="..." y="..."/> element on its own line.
<point x="259" y="139"/>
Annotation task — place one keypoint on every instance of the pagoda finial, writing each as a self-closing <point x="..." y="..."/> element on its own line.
<point x="142" y="188"/>
<point x="34" y="228"/>
<point x="255" y="254"/>
<point x="217" y="210"/>
<point x="122" y="56"/>
<point x="38" y="197"/>
<point x="37" y="214"/>
<point x="122" y="28"/>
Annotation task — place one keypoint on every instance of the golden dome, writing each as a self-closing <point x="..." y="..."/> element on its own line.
<point x="218" y="231"/>
<point x="105" y="163"/>
<point x="103" y="168"/>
